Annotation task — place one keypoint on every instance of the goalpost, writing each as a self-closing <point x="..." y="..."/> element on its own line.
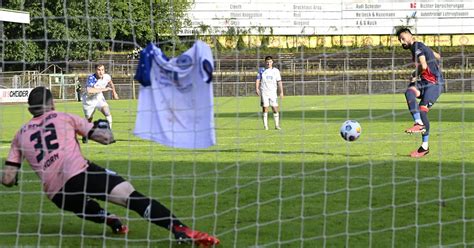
<point x="63" y="85"/>
<point x="301" y="186"/>
<point x="14" y="94"/>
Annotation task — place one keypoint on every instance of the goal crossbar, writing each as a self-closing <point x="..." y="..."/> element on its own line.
<point x="8" y="15"/>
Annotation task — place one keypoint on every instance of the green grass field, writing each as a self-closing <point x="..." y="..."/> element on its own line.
<point x="302" y="186"/>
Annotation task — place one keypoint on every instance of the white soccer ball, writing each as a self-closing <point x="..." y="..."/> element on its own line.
<point x="350" y="130"/>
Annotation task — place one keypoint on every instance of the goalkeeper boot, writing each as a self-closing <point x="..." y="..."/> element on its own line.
<point x="420" y="152"/>
<point x="116" y="225"/>
<point x="417" y="128"/>
<point x="185" y="235"/>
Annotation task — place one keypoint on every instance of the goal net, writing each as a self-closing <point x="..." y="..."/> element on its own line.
<point x="300" y="186"/>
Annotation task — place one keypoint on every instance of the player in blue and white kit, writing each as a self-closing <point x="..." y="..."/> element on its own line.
<point x="266" y="86"/>
<point x="426" y="84"/>
<point x="93" y="98"/>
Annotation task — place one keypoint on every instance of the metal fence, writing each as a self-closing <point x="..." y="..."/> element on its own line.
<point x="64" y="86"/>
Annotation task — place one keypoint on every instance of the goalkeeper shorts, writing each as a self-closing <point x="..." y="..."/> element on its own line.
<point x="96" y="182"/>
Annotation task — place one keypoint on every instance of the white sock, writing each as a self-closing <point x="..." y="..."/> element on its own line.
<point x="276" y="117"/>
<point x="424" y="145"/>
<point x="265" y="119"/>
<point x="417" y="118"/>
<point x="109" y="119"/>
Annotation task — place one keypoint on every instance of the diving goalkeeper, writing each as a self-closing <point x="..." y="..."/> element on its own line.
<point x="48" y="142"/>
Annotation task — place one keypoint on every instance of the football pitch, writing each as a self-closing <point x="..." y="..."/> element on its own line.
<point x="302" y="186"/>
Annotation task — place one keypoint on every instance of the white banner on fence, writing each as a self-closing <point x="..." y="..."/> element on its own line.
<point x="14" y="95"/>
<point x="322" y="17"/>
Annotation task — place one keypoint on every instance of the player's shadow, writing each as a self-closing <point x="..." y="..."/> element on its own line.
<point x="276" y="152"/>
<point x="315" y="153"/>
<point x="457" y="102"/>
<point x="133" y="139"/>
<point x="383" y="115"/>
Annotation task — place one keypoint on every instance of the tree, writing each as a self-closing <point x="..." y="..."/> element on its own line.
<point x="61" y="30"/>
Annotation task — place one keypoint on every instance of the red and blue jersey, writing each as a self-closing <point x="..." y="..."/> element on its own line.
<point x="433" y="72"/>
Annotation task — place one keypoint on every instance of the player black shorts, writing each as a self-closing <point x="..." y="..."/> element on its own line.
<point x="429" y="92"/>
<point x="96" y="182"/>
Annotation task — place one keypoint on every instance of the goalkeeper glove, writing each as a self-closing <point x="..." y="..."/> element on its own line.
<point x="102" y="124"/>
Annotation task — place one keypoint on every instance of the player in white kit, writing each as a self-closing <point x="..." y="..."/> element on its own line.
<point x="266" y="86"/>
<point x="93" y="98"/>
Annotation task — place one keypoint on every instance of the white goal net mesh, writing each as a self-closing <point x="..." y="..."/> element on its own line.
<point x="301" y="186"/>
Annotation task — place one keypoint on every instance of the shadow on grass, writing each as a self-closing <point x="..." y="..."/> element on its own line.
<point x="276" y="152"/>
<point x="387" y="115"/>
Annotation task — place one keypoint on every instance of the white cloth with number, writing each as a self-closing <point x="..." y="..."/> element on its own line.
<point x="176" y="101"/>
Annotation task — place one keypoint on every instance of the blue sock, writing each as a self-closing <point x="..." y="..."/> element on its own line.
<point x="417" y="117"/>
<point x="413" y="106"/>
<point x="425" y="138"/>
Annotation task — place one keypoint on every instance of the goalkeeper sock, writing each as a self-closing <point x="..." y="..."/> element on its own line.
<point x="109" y="119"/>
<point x="265" y="119"/>
<point x="92" y="212"/>
<point x="152" y="210"/>
<point x="276" y="118"/>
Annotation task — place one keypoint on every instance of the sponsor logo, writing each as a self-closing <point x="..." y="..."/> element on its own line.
<point x="19" y="93"/>
<point x="14" y="95"/>
<point x="184" y="62"/>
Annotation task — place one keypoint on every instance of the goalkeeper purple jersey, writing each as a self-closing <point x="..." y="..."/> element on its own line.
<point x="48" y="142"/>
<point x="175" y="101"/>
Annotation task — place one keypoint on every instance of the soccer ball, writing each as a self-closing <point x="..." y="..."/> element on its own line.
<point x="350" y="130"/>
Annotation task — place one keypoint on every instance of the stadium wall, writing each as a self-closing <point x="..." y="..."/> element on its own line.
<point x="325" y="83"/>
<point x="285" y="42"/>
<point x="295" y="83"/>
